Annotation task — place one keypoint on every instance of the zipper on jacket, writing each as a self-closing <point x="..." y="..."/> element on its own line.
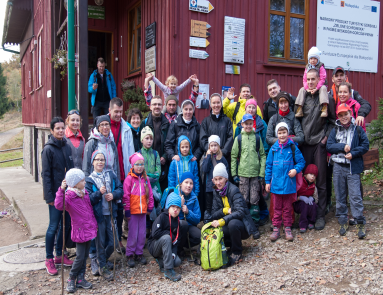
<point x="139" y="181"/>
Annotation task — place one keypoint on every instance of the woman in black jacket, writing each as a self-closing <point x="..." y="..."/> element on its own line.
<point x="134" y="120"/>
<point x="56" y="160"/>
<point x="231" y="213"/>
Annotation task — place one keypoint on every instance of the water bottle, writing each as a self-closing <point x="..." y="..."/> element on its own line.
<point x="224" y="253"/>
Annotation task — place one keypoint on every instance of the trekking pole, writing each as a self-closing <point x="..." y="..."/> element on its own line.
<point x="114" y="239"/>
<point x="62" y="253"/>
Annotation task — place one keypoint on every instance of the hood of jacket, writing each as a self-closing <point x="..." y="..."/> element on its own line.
<point x="106" y="73"/>
<point x="95" y="134"/>
<point x="181" y="138"/>
<point x="276" y="146"/>
<point x="259" y="124"/>
<point x="55" y="142"/>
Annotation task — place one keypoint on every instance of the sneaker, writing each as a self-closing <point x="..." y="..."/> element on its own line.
<point x="275" y="235"/>
<point x="172" y="275"/>
<point x="71" y="287"/>
<point x="311" y="226"/>
<point x="94" y="267"/>
<point x="110" y="265"/>
<point x="141" y="259"/>
<point x="131" y="261"/>
<point x="361" y="231"/>
<point x="302" y="230"/>
<point x="289" y="234"/>
<point x="234" y="259"/>
<point x="50" y="267"/>
<point x="352" y="221"/>
<point x="264" y="221"/>
<point x="319" y="224"/>
<point x="299" y="112"/>
<point x="160" y="264"/>
<point x="67" y="261"/>
<point x="82" y="282"/>
<point x="106" y="273"/>
<point x="343" y="229"/>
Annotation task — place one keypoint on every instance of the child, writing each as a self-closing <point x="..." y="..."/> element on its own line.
<point x="259" y="124"/>
<point x="171" y="87"/>
<point x="314" y="62"/>
<point x="138" y="201"/>
<point x="345" y="96"/>
<point x="348" y="143"/>
<point x="105" y="189"/>
<point x="165" y="236"/>
<point x="84" y="224"/>
<point x="177" y="168"/>
<point x="248" y="165"/>
<point x="281" y="168"/>
<point x="213" y="157"/>
<point x="307" y="198"/>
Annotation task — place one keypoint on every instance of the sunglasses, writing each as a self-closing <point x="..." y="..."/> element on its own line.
<point x="74" y="112"/>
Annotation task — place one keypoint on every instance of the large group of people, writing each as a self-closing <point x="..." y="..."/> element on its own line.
<point x="162" y="176"/>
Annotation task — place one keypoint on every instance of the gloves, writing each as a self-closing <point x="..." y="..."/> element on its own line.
<point x="236" y="179"/>
<point x="311" y="200"/>
<point x="304" y="199"/>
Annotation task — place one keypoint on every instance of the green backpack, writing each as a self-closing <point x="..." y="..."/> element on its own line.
<point x="213" y="251"/>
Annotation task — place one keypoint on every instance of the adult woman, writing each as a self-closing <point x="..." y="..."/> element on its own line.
<point x="217" y="124"/>
<point x="284" y="115"/>
<point x="134" y="121"/>
<point x="74" y="137"/>
<point x="185" y="124"/>
<point x="56" y="160"/>
<point x="101" y="138"/>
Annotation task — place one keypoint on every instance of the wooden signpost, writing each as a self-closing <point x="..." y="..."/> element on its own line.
<point x="199" y="29"/>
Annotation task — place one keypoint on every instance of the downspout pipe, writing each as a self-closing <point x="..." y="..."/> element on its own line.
<point x="71" y="60"/>
<point x="9" y="50"/>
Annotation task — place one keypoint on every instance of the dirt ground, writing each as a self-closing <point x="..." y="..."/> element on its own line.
<point x="317" y="262"/>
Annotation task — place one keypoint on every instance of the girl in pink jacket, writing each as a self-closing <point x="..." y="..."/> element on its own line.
<point x="314" y="63"/>
<point x="138" y="201"/>
<point x="84" y="224"/>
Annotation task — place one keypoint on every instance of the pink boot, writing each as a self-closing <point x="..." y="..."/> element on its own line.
<point x="50" y="266"/>
<point x="67" y="261"/>
<point x="275" y="235"/>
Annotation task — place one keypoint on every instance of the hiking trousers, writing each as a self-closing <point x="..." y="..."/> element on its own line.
<point x="162" y="249"/>
<point x="250" y="189"/>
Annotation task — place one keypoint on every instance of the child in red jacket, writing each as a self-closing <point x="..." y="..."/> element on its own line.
<point x="138" y="202"/>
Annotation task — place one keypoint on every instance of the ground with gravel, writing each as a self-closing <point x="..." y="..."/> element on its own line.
<point x="317" y="262"/>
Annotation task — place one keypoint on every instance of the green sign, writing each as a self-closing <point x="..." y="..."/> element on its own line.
<point x="96" y="12"/>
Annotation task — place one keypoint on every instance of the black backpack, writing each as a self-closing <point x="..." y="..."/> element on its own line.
<point x="257" y="145"/>
<point x="236" y="111"/>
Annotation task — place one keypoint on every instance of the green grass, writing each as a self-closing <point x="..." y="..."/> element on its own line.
<point x="11" y="155"/>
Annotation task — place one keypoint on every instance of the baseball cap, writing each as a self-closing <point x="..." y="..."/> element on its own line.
<point x="247" y="117"/>
<point x="343" y="108"/>
<point x="338" y="68"/>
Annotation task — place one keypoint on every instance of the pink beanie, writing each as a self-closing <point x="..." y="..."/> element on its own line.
<point x="251" y="101"/>
<point x="135" y="157"/>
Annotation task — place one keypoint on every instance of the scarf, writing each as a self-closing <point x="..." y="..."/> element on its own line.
<point x="255" y="123"/>
<point x="79" y="193"/>
<point x="284" y="114"/>
<point x="346" y="126"/>
<point x="131" y="127"/>
<point x="101" y="138"/>
<point x="222" y="192"/>
<point x="170" y="118"/>
<point x="100" y="180"/>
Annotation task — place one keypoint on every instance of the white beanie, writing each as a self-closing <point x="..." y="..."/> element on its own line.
<point x="279" y="125"/>
<point x="314" y="52"/>
<point x="220" y="170"/>
<point x="214" y="138"/>
<point x="74" y="176"/>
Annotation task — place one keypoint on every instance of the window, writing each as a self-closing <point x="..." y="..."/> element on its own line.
<point x="39" y="77"/>
<point x="288" y="41"/>
<point x="134" y="31"/>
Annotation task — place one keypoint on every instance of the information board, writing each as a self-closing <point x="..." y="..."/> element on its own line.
<point x="150" y="59"/>
<point x="234" y="40"/>
<point x="150" y="35"/>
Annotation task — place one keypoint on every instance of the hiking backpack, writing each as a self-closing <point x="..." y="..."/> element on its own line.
<point x="213" y="250"/>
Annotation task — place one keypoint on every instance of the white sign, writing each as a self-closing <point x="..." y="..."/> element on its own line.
<point x="200" y="6"/>
<point x="150" y="59"/>
<point x="203" y="101"/>
<point x="198" y="54"/>
<point x="234" y="40"/>
<point x="199" y="42"/>
<point x="348" y="34"/>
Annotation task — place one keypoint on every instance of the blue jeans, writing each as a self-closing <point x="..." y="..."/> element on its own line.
<point x="105" y="250"/>
<point x="55" y="217"/>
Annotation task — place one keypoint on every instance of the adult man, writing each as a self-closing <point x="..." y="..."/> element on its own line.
<point x="236" y="110"/>
<point x="205" y="102"/>
<point x="171" y="109"/>
<point x="270" y="107"/>
<point x="103" y="88"/>
<point x="159" y="125"/>
<point x="316" y="130"/>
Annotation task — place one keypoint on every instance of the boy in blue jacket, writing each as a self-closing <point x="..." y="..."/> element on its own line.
<point x="283" y="163"/>
<point x="348" y="143"/>
<point x="185" y="164"/>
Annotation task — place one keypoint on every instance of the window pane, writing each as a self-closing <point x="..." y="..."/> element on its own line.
<point x="298" y="6"/>
<point x="297" y="29"/>
<point x="277" y="5"/>
<point x="131" y="19"/>
<point x="132" y="54"/>
<point x="138" y="48"/>
<point x="138" y="15"/>
<point x="277" y="35"/>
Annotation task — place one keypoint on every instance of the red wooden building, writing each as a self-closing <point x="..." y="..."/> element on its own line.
<point x="119" y="37"/>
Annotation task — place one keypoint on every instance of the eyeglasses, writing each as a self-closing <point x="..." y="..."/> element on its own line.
<point x="100" y="160"/>
<point x="107" y="125"/>
<point x="73" y="112"/>
<point x="139" y="165"/>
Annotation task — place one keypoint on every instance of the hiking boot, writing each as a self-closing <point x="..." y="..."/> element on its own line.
<point x="141" y="259"/>
<point x="324" y="110"/>
<point x="311" y="226"/>
<point x="106" y="273"/>
<point x="319" y="224"/>
<point x="71" y="287"/>
<point x="172" y="275"/>
<point x="302" y="230"/>
<point x="67" y="261"/>
<point x="50" y="266"/>
<point x="275" y="235"/>
<point x="147" y="233"/>
<point x="361" y="231"/>
<point x="82" y="282"/>
<point x="299" y="112"/>
<point x="94" y="267"/>
<point x="289" y="234"/>
<point x="234" y="259"/>
<point x="343" y="229"/>
<point x="160" y="264"/>
<point x="264" y="221"/>
<point x="131" y="261"/>
<point x="256" y="235"/>
<point x="352" y="221"/>
<point x="109" y="265"/>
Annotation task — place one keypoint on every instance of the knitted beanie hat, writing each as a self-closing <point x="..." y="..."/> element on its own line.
<point x="135" y="157"/>
<point x="284" y="95"/>
<point x="312" y="169"/>
<point x="280" y="125"/>
<point x="95" y="153"/>
<point x="146" y="131"/>
<point x="171" y="97"/>
<point x="314" y="52"/>
<point x="251" y="101"/>
<point x="186" y="175"/>
<point x="214" y="138"/>
<point x="102" y="118"/>
<point x="173" y="200"/>
<point x="74" y="176"/>
<point x="220" y="170"/>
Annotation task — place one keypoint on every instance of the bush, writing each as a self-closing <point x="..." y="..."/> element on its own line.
<point x="375" y="129"/>
<point x="135" y="97"/>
